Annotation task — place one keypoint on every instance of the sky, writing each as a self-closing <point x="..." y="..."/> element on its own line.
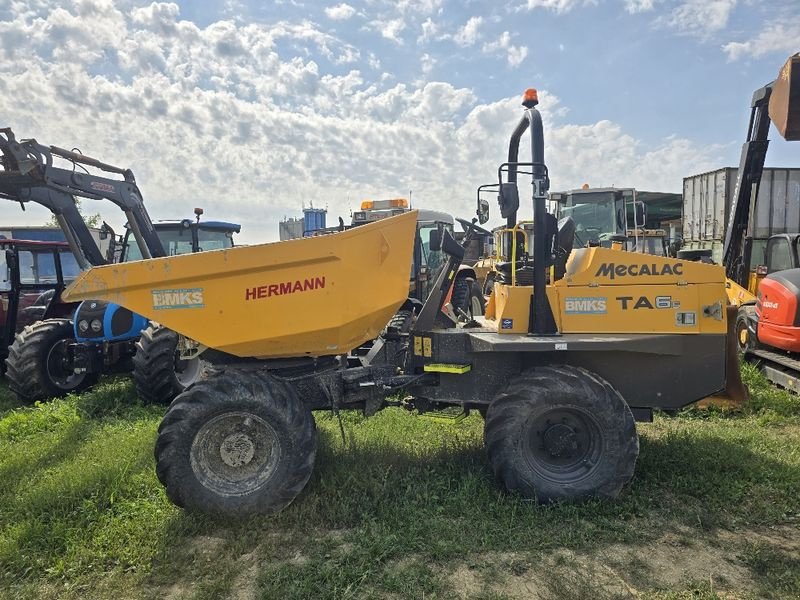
<point x="252" y="110"/>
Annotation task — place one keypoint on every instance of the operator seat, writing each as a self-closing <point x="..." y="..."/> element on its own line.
<point x="524" y="266"/>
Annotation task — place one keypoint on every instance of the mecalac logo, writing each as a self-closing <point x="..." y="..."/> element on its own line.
<point x="187" y="298"/>
<point x="585" y="306"/>
<point x="612" y="270"/>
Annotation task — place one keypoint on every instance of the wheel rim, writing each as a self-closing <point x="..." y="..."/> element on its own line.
<point x="564" y="444"/>
<point x="235" y="453"/>
<point x="57" y="370"/>
<point x="477" y="309"/>
<point x="188" y="371"/>
<point x="742" y="336"/>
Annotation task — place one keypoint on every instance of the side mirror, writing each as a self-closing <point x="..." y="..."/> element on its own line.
<point x="639" y="214"/>
<point x="508" y="199"/>
<point x="621" y="219"/>
<point x="483" y="211"/>
<point x="11" y="259"/>
<point x="435" y="240"/>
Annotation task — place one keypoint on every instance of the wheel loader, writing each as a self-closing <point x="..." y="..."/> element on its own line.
<point x="562" y="366"/>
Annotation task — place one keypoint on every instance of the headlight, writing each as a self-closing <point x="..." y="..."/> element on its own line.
<point x="97" y="325"/>
<point x="83" y="326"/>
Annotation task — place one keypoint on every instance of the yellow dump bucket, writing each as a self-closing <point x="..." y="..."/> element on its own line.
<point x="309" y="297"/>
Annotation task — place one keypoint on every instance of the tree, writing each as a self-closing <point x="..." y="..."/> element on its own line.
<point x="91" y="220"/>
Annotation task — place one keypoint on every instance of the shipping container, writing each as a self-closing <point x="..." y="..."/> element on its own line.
<point x="707" y="201"/>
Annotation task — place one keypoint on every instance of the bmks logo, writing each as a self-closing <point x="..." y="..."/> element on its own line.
<point x="585" y="306"/>
<point x="170" y="299"/>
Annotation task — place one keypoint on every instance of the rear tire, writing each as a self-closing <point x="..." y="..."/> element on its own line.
<point x="467" y="296"/>
<point x="237" y="444"/>
<point x="36" y="368"/>
<point x="158" y="372"/>
<point x="561" y="433"/>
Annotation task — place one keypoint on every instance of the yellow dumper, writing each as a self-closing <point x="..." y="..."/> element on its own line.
<point x="575" y="347"/>
<point x="314" y="296"/>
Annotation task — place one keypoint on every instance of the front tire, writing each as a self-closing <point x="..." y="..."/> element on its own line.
<point x="37" y="367"/>
<point x="237" y="444"/>
<point x="744" y="341"/>
<point x="561" y="433"/>
<point x="158" y="372"/>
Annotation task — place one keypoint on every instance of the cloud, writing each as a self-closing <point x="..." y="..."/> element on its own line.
<point x="559" y="6"/>
<point x="514" y="54"/>
<point x="390" y="29"/>
<point x="251" y="120"/>
<point x="637" y="6"/>
<point x="469" y="34"/>
<point x="340" y="12"/>
<point x="429" y="31"/>
<point x="700" y="17"/>
<point x="426" y="63"/>
<point x="777" y="36"/>
<point x="416" y="7"/>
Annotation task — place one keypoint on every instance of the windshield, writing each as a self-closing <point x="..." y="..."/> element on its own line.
<point x="213" y="239"/>
<point x="430" y="258"/>
<point x="178" y="240"/>
<point x="69" y="266"/>
<point x="595" y="217"/>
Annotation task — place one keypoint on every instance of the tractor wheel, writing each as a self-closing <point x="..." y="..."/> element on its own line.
<point x="743" y="337"/>
<point x="467" y="296"/>
<point x="237" y="444"/>
<point x="37" y="368"/>
<point x="561" y="433"/>
<point x="158" y="372"/>
<point x="402" y="321"/>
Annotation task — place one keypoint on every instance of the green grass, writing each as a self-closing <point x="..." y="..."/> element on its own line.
<point x="404" y="507"/>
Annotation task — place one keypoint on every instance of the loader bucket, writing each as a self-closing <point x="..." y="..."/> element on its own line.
<point x="314" y="296"/>
<point x="784" y="103"/>
<point x="735" y="395"/>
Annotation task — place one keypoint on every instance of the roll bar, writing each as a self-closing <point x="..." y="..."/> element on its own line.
<point x="541" y="320"/>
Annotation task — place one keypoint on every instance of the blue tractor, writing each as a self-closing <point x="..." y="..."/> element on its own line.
<point x="105" y="338"/>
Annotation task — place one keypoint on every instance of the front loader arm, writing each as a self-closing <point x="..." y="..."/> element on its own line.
<point x="29" y="165"/>
<point x="65" y="211"/>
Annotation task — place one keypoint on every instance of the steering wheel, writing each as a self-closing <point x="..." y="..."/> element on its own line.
<point x="467" y="225"/>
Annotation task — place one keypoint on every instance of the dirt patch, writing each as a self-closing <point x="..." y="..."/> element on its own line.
<point x="244" y="586"/>
<point x="675" y="561"/>
<point x="466" y="581"/>
<point x="206" y="546"/>
<point x="785" y="537"/>
<point x="177" y="591"/>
